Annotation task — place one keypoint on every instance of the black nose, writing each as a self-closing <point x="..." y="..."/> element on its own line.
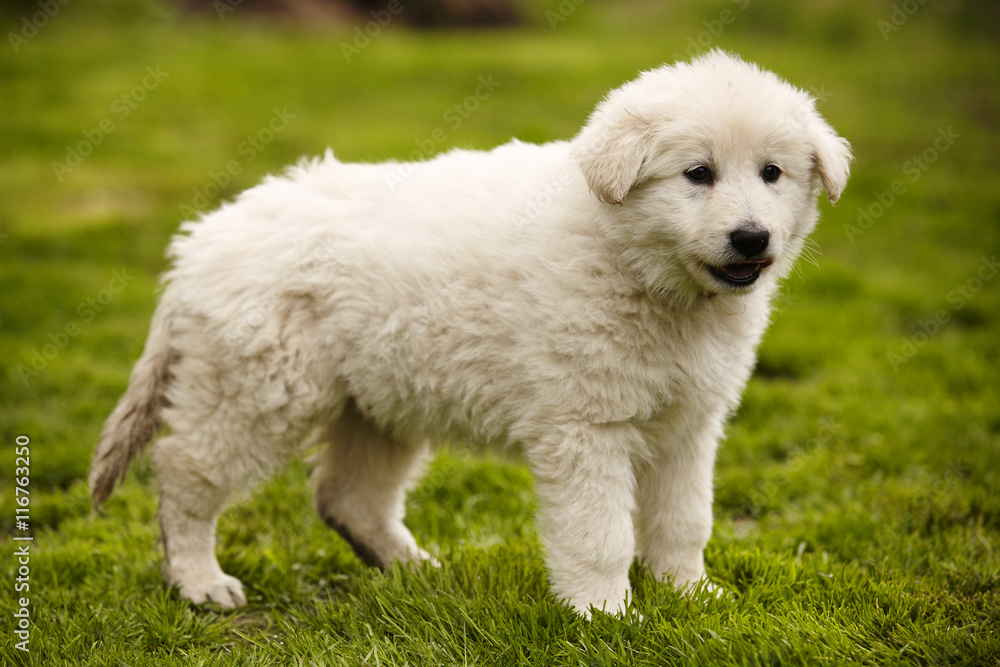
<point x="750" y="241"/>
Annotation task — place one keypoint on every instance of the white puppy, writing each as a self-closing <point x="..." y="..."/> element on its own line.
<point x="598" y="302"/>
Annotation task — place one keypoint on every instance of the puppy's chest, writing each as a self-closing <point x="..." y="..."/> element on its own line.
<point x="710" y="369"/>
<point x="656" y="365"/>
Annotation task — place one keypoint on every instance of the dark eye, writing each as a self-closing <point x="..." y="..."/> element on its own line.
<point x="770" y="173"/>
<point x="699" y="175"/>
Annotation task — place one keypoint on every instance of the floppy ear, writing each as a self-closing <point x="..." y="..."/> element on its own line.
<point x="831" y="155"/>
<point x="610" y="150"/>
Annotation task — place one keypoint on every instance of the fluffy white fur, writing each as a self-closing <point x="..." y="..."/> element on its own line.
<point x="558" y="297"/>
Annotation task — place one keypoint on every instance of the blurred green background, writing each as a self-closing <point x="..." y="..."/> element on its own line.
<point x="869" y="434"/>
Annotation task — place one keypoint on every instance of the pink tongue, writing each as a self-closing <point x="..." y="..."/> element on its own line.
<point x="741" y="270"/>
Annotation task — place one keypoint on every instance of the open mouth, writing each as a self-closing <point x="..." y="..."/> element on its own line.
<point x="739" y="274"/>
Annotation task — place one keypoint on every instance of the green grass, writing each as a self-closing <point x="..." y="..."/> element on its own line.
<point x="858" y="499"/>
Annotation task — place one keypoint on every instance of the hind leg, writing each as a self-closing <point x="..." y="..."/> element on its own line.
<point x="361" y="485"/>
<point x="197" y="471"/>
<point x="192" y="494"/>
<point x="193" y="491"/>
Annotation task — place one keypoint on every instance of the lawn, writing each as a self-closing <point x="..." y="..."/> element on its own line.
<point x="857" y="491"/>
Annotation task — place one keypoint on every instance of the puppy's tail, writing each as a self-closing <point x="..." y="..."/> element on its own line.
<point x="136" y="417"/>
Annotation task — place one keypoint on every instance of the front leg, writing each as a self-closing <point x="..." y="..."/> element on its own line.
<point x="585" y="487"/>
<point x="674" y="517"/>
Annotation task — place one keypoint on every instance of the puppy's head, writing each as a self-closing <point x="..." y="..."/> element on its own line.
<point x="709" y="172"/>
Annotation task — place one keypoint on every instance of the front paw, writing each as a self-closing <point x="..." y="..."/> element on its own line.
<point x="220" y="588"/>
<point x="606" y="606"/>
<point x="615" y="605"/>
